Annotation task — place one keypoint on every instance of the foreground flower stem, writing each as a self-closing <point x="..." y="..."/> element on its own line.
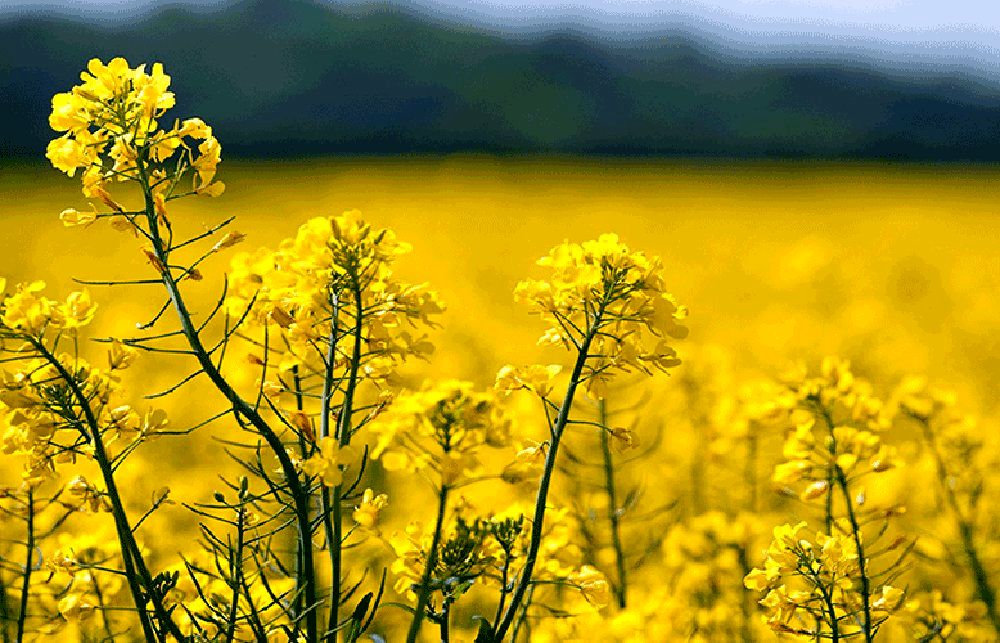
<point x="344" y="430"/>
<point x="966" y="531"/>
<point x="446" y="622"/>
<point x="331" y="524"/>
<point x="29" y="546"/>
<point x="862" y="562"/>
<point x="136" y="572"/>
<point x="538" y="519"/>
<point x="831" y="477"/>
<point x="746" y="610"/>
<point x="424" y="591"/>
<point x="306" y="581"/>
<point x="614" y="517"/>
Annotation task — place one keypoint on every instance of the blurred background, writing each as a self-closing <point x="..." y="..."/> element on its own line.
<point x="885" y="79"/>
<point x="818" y="174"/>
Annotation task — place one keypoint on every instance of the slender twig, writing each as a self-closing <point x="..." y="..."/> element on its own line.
<point x="614" y="512"/>
<point x="424" y="590"/>
<point x="344" y="431"/>
<point x="543" y="487"/>
<point x="869" y="632"/>
<point x="966" y="531"/>
<point x="305" y="580"/>
<point x="29" y="565"/>
<point x="136" y="572"/>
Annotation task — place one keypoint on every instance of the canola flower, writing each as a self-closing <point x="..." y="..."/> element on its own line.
<point x="576" y="501"/>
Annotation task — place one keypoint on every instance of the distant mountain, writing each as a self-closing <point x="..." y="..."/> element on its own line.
<point x="294" y="77"/>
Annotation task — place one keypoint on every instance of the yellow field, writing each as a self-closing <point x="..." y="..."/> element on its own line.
<point x="895" y="268"/>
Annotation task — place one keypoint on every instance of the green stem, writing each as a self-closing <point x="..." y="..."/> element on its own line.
<point x="136" y="573"/>
<point x="106" y="622"/>
<point x="614" y="516"/>
<point x="543" y="486"/>
<point x="344" y="430"/>
<point x="331" y="525"/>
<point x="966" y="531"/>
<point x="4" y="607"/>
<point x="834" y="623"/>
<point x="29" y="565"/>
<point x="424" y="591"/>
<point x="862" y="562"/>
<point x="306" y="580"/>
<point x="236" y="573"/>
<point x="445" y="623"/>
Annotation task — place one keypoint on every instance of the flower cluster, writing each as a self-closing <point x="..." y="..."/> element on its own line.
<point x="28" y="311"/>
<point x="333" y="283"/>
<point x="703" y="558"/>
<point x="611" y="300"/>
<point x="811" y="586"/>
<point x="836" y="432"/>
<point x="441" y="428"/>
<point x="112" y="132"/>
<point x="931" y="618"/>
<point x="52" y="401"/>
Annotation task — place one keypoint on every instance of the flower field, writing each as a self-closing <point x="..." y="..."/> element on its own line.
<point x="489" y="399"/>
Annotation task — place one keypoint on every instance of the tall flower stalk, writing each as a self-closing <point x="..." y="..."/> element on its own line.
<point x="608" y="305"/>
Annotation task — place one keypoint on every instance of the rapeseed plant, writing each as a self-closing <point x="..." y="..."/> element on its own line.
<point x="588" y="499"/>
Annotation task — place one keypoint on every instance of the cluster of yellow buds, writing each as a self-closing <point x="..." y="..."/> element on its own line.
<point x="333" y="280"/>
<point x="812" y="584"/>
<point x="602" y="294"/>
<point x="836" y="432"/>
<point x="112" y="133"/>
<point x="441" y="427"/>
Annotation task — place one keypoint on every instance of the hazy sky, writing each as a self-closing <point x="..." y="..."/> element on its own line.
<point x="975" y="21"/>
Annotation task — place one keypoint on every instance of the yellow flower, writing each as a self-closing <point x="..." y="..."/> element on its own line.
<point x="366" y="514"/>
<point x="78" y="311"/>
<point x="536" y="378"/>
<point x="613" y="299"/>
<point x="890" y="599"/>
<point x="67" y="154"/>
<point x="443" y="426"/>
<point x="110" y="121"/>
<point x="592" y="584"/>
<point x="27" y="309"/>
<point x="77" y="608"/>
<point x="330" y="461"/>
<point x="71" y="217"/>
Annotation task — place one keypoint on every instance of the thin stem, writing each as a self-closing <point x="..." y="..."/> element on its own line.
<point x="831" y="608"/>
<point x="504" y="580"/>
<point x="862" y="562"/>
<point x="305" y="580"/>
<point x="136" y="571"/>
<point x="966" y="531"/>
<point x="29" y="565"/>
<point x="4" y="609"/>
<point x="103" y="607"/>
<point x="445" y="622"/>
<point x="424" y="591"/>
<point x="236" y="573"/>
<point x="344" y="430"/>
<point x="614" y="515"/>
<point x="331" y="525"/>
<point x="543" y="486"/>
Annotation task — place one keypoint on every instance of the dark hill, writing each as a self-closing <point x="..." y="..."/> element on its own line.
<point x="291" y="77"/>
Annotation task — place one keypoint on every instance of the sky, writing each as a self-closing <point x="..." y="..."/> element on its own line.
<point x="963" y="22"/>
